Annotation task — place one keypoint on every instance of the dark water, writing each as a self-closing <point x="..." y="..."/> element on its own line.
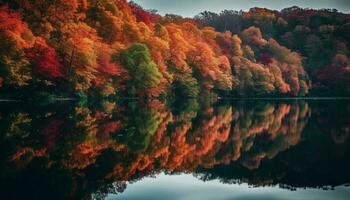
<point x="253" y="149"/>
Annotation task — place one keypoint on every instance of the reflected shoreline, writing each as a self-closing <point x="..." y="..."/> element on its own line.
<point x="219" y="98"/>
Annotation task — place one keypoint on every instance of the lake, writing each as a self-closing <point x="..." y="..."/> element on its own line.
<point x="186" y="149"/>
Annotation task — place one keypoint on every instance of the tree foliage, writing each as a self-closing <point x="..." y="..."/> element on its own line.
<point x="143" y="71"/>
<point x="317" y="35"/>
<point x="258" y="52"/>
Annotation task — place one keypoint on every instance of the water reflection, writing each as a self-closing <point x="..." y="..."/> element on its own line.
<point x="72" y="151"/>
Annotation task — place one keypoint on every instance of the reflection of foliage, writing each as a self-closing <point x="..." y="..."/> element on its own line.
<point x="315" y="162"/>
<point x="141" y="126"/>
<point x="333" y="119"/>
<point x="275" y="128"/>
<point x="111" y="143"/>
<point x="185" y="109"/>
<point x="19" y="126"/>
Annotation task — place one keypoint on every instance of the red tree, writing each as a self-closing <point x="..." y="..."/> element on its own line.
<point x="46" y="60"/>
<point x="143" y="15"/>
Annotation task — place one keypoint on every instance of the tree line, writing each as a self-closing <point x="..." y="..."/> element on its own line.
<point x="116" y="48"/>
<point x="321" y="37"/>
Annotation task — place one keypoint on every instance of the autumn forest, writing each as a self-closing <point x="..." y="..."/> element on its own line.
<point x="104" y="48"/>
<point x="108" y="99"/>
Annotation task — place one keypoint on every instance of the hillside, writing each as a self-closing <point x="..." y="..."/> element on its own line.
<point x="111" y="47"/>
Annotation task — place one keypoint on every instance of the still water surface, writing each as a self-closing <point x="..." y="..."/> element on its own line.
<point x="187" y="187"/>
<point x="252" y="149"/>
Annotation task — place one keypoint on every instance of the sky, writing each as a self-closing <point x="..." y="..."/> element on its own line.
<point x="190" y="8"/>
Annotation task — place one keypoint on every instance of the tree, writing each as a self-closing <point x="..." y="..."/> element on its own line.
<point x="213" y="71"/>
<point x="102" y="15"/>
<point x="290" y="64"/>
<point x="15" y="38"/>
<point x="184" y="84"/>
<point x="143" y="71"/>
<point x="179" y="46"/>
<point x="253" y="36"/>
<point x="45" y="60"/>
<point x="79" y="47"/>
<point x="337" y="74"/>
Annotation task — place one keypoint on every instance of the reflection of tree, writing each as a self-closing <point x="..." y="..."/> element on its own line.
<point x="60" y="147"/>
<point x="220" y="135"/>
<point x="333" y="118"/>
<point x="142" y="124"/>
<point x="315" y="162"/>
<point x="93" y="147"/>
<point x="319" y="159"/>
<point x="266" y="130"/>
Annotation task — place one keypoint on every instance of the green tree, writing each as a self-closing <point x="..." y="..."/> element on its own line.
<point x="142" y="70"/>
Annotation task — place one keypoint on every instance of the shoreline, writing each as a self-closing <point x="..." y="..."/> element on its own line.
<point x="219" y="99"/>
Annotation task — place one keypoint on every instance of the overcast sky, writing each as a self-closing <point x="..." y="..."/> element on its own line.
<point x="189" y="8"/>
